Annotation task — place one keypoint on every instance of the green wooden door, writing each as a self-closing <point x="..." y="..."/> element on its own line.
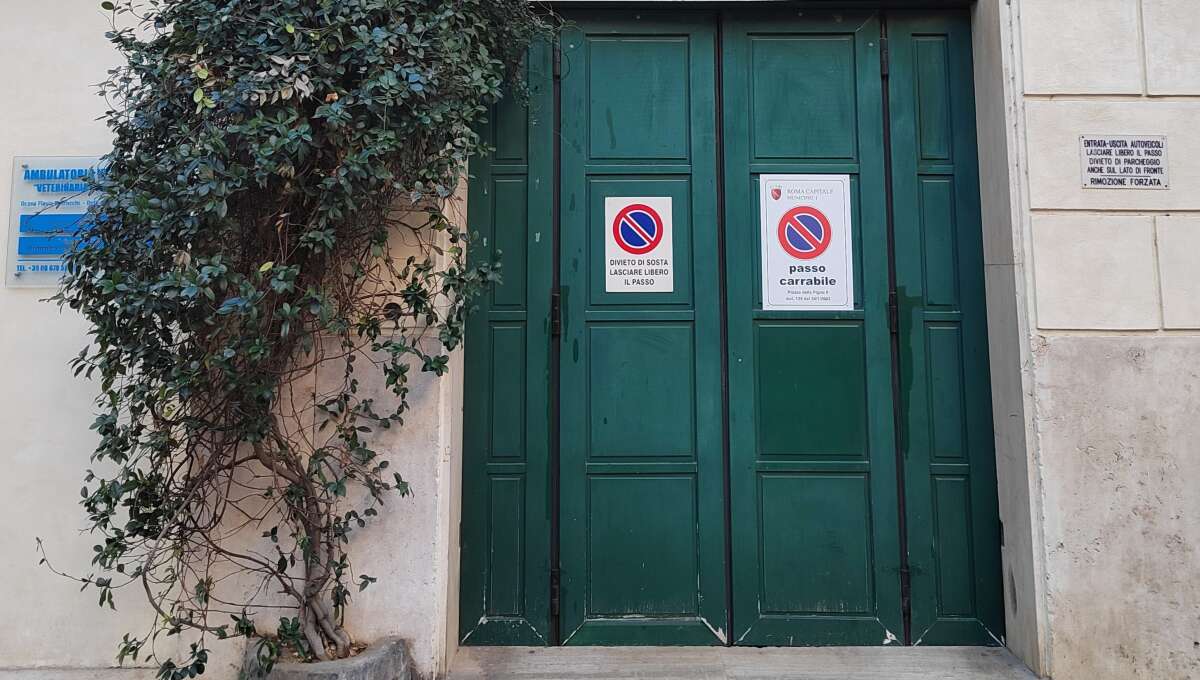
<point x="812" y="448"/>
<point x="505" y="531"/>
<point x="729" y="475"/>
<point x="642" y="504"/>
<point x="946" y="428"/>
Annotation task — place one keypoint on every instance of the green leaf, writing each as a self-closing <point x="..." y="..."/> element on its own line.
<point x="107" y="6"/>
<point x="289" y="28"/>
<point x="266" y="267"/>
<point x="198" y="95"/>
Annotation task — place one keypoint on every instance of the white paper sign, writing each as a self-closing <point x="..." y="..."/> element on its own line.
<point x="807" y="252"/>
<point x="48" y="205"/>
<point x="1124" y="161"/>
<point x="639" y="251"/>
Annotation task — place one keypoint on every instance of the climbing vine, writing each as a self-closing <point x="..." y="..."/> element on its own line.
<point x="273" y="223"/>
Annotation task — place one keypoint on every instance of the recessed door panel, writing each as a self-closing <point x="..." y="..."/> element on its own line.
<point x="639" y="105"/>
<point x="812" y="390"/>
<point x="642" y="390"/>
<point x="820" y="561"/>
<point x="817" y="99"/>
<point x="641" y="543"/>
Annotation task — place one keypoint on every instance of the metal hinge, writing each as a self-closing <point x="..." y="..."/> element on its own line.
<point x="884" y="57"/>
<point x="555" y="314"/>
<point x="555" y="591"/>
<point x="893" y="313"/>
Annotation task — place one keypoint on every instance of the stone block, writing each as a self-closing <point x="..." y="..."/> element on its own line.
<point x="1055" y="170"/>
<point x="1172" y="50"/>
<point x="1118" y="430"/>
<point x="1095" y="272"/>
<point x="1081" y="47"/>
<point x="1179" y="270"/>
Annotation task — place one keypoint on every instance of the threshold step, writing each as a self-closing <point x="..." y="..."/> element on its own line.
<point x="737" y="663"/>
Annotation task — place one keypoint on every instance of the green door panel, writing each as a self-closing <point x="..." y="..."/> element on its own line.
<point x="641" y="502"/>
<point x="834" y="558"/>
<point x="823" y="89"/>
<point x="505" y="530"/>
<point x="835" y="424"/>
<point x="950" y="479"/>
<point x="815" y="545"/>
<point x="639" y="106"/>
<point x="629" y="361"/>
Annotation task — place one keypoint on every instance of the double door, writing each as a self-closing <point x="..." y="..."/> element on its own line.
<point x="679" y="465"/>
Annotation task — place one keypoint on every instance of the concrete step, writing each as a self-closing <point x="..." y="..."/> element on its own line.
<point x="737" y="663"/>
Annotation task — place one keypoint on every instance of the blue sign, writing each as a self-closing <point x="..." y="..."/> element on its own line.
<point x="50" y="203"/>
<point x="62" y="223"/>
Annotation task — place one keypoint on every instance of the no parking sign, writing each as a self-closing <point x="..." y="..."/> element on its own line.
<point x="638" y="245"/>
<point x="807" y="252"/>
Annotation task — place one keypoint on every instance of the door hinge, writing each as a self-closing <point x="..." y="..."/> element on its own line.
<point x="555" y="591"/>
<point x="555" y="314"/>
<point x="884" y="58"/>
<point x="893" y="313"/>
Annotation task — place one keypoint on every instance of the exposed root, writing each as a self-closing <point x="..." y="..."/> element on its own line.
<point x="335" y="633"/>
<point x="315" y="642"/>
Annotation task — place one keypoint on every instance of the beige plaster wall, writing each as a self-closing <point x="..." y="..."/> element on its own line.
<point x="51" y="54"/>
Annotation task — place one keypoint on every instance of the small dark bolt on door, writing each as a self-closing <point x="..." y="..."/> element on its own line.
<point x="650" y="455"/>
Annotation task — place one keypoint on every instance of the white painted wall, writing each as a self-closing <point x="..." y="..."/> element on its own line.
<point x="52" y="53"/>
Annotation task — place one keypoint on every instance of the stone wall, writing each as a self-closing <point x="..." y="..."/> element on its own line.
<point x="1113" y="362"/>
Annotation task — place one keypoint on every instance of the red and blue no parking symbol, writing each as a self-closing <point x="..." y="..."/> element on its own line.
<point x="804" y="232"/>
<point x="638" y="229"/>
